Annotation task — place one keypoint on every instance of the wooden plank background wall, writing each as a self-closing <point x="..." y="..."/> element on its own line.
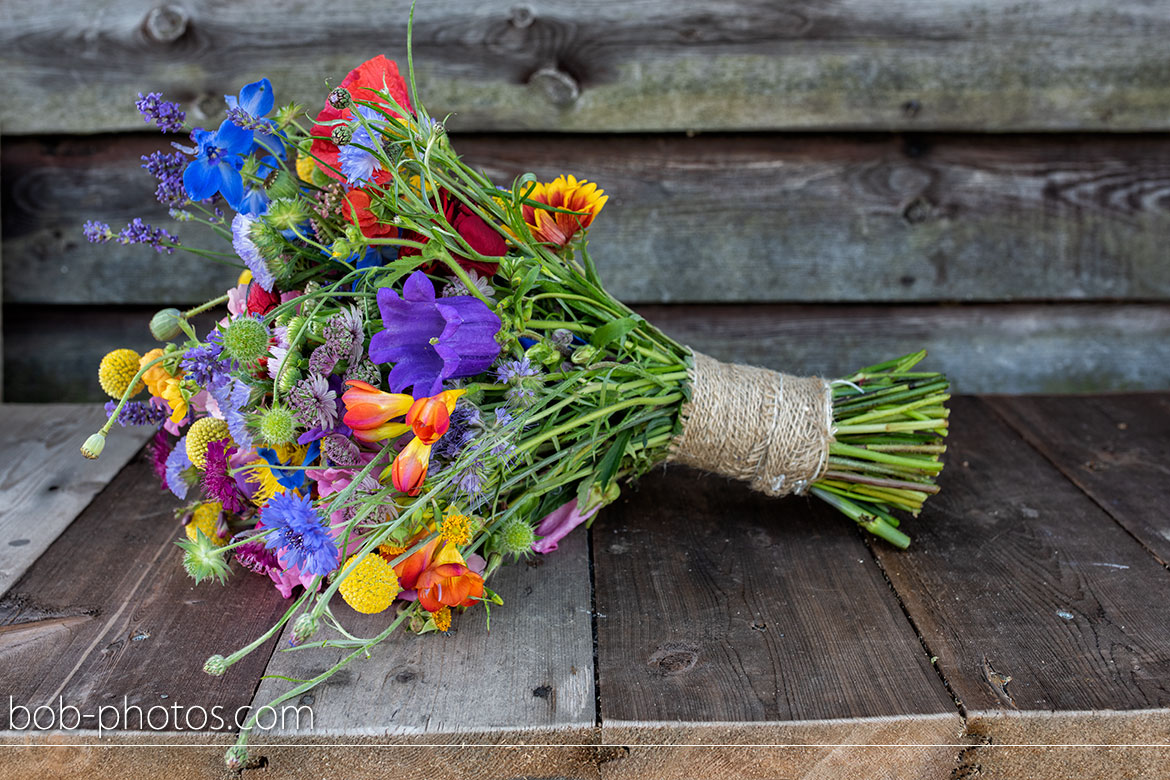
<point x="804" y="185"/>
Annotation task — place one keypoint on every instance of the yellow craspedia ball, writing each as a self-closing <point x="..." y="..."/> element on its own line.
<point x="203" y="432"/>
<point x="371" y="586"/>
<point x="205" y="520"/>
<point x="117" y="370"/>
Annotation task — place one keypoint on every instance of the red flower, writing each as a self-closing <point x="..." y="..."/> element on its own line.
<point x="260" y="301"/>
<point x="479" y="235"/>
<point x="362" y="82"/>
<point x="367" y="221"/>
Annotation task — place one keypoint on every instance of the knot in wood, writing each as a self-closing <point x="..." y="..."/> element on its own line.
<point x="521" y="16"/>
<point x="166" y="23"/>
<point x="560" y="88"/>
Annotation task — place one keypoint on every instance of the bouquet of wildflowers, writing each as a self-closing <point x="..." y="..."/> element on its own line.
<point x="419" y="376"/>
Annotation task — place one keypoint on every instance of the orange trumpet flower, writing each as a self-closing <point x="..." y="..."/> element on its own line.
<point x="368" y="412"/>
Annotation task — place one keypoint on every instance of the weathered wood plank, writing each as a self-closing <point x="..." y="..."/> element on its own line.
<point x="1116" y="448"/>
<point x="44" y="481"/>
<point x="725" y="617"/>
<point x="630" y="66"/>
<point x="712" y="218"/>
<point x="1034" y="601"/>
<point x="53" y="351"/>
<point x="107" y="617"/>
<point x="529" y="681"/>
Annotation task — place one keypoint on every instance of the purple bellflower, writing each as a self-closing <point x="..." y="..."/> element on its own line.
<point x="431" y="340"/>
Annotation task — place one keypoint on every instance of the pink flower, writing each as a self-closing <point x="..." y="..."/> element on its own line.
<point x="557" y="524"/>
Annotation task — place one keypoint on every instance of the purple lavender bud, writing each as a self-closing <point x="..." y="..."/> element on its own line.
<point x="167" y="115"/>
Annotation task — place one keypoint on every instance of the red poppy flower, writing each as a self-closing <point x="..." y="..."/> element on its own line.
<point x="479" y="235"/>
<point x="260" y="301"/>
<point x="363" y="82"/>
<point x="358" y="202"/>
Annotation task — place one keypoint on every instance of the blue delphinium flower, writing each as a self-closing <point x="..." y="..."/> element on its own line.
<point x="249" y="112"/>
<point x="299" y="534"/>
<point x="216" y="167"/>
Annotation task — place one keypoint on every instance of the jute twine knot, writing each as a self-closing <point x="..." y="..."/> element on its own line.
<point x="768" y="429"/>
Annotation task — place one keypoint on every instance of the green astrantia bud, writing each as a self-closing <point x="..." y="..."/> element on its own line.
<point x="93" y="446"/>
<point x="236" y="758"/>
<point x="341" y="134"/>
<point x="245" y="340"/>
<point x="277" y="425"/>
<point x="286" y="213"/>
<point x="216" y="665"/>
<point x="165" y="325"/>
<point x="515" y="538"/>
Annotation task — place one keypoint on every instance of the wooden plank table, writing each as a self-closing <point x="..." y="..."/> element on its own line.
<point x="698" y="630"/>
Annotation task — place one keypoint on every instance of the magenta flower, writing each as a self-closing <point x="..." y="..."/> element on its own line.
<point x="431" y="340"/>
<point x="557" y="524"/>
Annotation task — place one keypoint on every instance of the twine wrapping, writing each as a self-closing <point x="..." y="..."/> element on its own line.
<point x="765" y="428"/>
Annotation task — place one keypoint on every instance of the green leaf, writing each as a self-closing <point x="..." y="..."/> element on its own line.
<point x="613" y="331"/>
<point x="613" y="459"/>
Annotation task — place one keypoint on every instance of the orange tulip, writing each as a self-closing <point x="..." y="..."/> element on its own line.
<point x="440" y="576"/>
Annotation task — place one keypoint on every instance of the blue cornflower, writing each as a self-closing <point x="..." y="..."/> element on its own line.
<point x="357" y="164"/>
<point x="167" y="115"/>
<point x="299" y="534"/>
<point x="178" y="465"/>
<point x="203" y="364"/>
<point x="216" y="167"/>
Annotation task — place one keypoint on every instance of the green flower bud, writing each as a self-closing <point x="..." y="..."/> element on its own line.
<point x="164" y="325"/>
<point x="303" y="628"/>
<point x="93" y="446"/>
<point x="278" y="425"/>
<point x="235" y="758"/>
<point x="216" y="665"/>
<point x="286" y="213"/>
<point x="584" y="355"/>
<point x="341" y="134"/>
<point x="340" y="98"/>
<point x="245" y="340"/>
<point x="515" y="538"/>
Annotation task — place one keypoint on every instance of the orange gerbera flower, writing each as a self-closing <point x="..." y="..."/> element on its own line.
<point x="440" y="576"/>
<point x="558" y="227"/>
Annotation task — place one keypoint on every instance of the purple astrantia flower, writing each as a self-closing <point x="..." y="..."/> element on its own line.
<point x="557" y="524"/>
<point x="345" y="333"/>
<point x="299" y="535"/>
<point x="167" y="115"/>
<point x="177" y="465"/>
<point x="249" y="252"/>
<point x="314" y="402"/>
<point x="431" y="340"/>
<point x="216" y="167"/>
<point x="218" y="484"/>
<point x="136" y="413"/>
<point x="168" y="169"/>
